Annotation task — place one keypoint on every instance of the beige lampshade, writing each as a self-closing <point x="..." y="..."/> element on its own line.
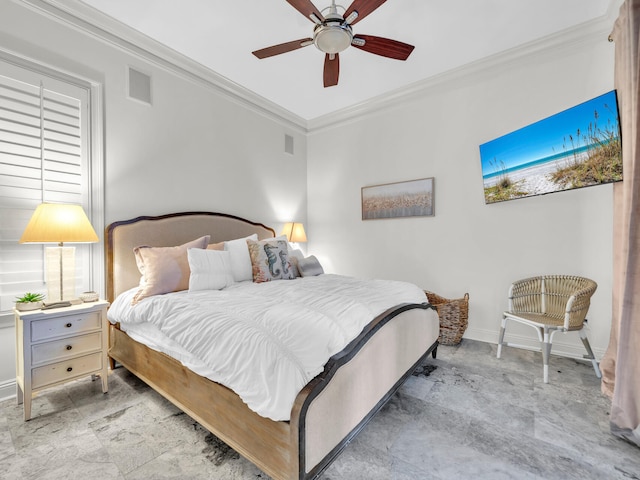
<point x="294" y="232"/>
<point x="59" y="223"/>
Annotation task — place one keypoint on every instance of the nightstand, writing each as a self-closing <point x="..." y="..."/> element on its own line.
<point x="58" y="345"/>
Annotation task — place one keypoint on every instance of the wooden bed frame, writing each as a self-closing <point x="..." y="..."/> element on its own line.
<point x="328" y="413"/>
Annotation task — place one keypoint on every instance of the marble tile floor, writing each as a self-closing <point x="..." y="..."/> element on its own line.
<point x="465" y="415"/>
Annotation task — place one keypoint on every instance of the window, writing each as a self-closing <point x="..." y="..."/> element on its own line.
<point x="45" y="156"/>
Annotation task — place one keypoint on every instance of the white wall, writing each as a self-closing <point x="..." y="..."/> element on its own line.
<point x="468" y="246"/>
<point x="193" y="149"/>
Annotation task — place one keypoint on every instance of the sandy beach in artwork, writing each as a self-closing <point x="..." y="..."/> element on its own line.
<point x="535" y="179"/>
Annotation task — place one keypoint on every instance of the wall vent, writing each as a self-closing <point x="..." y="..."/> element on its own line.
<point x="139" y="86"/>
<point x="288" y="144"/>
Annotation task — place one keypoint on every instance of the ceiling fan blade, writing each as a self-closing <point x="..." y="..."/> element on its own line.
<point x="282" y="48"/>
<point x="383" y="46"/>
<point x="308" y="9"/>
<point x="331" y="69"/>
<point x="363" y="7"/>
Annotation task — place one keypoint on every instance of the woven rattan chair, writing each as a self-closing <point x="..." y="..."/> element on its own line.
<point x="550" y="304"/>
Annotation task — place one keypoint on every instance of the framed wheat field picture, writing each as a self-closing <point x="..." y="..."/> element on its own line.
<point x="412" y="198"/>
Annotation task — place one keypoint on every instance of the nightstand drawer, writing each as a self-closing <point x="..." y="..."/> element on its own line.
<point x="66" y="347"/>
<point x="64" y="326"/>
<point x="66" y="370"/>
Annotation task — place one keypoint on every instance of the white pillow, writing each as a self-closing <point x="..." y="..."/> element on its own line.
<point x="210" y="269"/>
<point x="240" y="259"/>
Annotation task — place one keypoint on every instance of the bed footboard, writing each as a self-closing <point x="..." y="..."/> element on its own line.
<point x="333" y="408"/>
<point x="266" y="443"/>
<point x="328" y="413"/>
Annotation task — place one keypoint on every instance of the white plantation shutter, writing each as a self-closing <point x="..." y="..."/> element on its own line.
<point x="43" y="158"/>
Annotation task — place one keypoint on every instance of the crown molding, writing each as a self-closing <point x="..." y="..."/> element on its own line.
<point x="87" y="20"/>
<point x="594" y="31"/>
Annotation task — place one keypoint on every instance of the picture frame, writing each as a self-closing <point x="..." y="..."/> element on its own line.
<point x="412" y="198"/>
<point x="578" y="147"/>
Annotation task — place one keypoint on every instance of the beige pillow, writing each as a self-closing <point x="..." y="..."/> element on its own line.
<point x="164" y="269"/>
<point x="216" y="246"/>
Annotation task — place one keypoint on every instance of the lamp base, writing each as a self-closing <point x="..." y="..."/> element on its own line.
<point x="61" y="273"/>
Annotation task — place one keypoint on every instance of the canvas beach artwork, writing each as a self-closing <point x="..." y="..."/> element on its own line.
<point x="413" y="198"/>
<point x="576" y="148"/>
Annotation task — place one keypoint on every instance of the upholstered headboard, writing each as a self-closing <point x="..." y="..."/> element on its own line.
<point x="165" y="231"/>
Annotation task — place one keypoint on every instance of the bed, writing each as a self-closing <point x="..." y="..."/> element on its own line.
<point x="327" y="413"/>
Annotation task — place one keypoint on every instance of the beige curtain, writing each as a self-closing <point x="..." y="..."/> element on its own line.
<point x="621" y="363"/>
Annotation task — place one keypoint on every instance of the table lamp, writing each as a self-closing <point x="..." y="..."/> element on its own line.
<point x="294" y="232"/>
<point x="59" y="223"/>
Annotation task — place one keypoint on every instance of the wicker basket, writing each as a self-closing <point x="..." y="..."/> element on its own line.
<point x="454" y="316"/>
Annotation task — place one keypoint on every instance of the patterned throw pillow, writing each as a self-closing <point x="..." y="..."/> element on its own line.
<point x="270" y="260"/>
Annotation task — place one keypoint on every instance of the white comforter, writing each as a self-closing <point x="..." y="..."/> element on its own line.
<point x="265" y="341"/>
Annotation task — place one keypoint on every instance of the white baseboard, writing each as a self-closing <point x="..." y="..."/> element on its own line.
<point x="7" y="390"/>
<point x="561" y="348"/>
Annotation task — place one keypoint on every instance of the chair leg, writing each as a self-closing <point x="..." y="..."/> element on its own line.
<point x="590" y="356"/>
<point x="501" y="337"/>
<point x="546" y="352"/>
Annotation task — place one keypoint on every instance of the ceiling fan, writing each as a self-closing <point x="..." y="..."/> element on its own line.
<point x="333" y="33"/>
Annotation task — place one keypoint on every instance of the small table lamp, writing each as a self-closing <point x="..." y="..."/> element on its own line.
<point x="294" y="232"/>
<point x="59" y="223"/>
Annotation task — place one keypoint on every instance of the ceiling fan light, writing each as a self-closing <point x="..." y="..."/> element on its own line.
<point x="332" y="39"/>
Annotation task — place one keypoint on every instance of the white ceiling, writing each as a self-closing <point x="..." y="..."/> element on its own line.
<point x="446" y="33"/>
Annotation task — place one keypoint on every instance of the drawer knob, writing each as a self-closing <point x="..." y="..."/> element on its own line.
<point x="68" y="325"/>
<point x="69" y="347"/>
<point x="69" y="369"/>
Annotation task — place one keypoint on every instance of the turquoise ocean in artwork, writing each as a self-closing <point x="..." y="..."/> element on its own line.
<point x="541" y="161"/>
<point x="553" y="139"/>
